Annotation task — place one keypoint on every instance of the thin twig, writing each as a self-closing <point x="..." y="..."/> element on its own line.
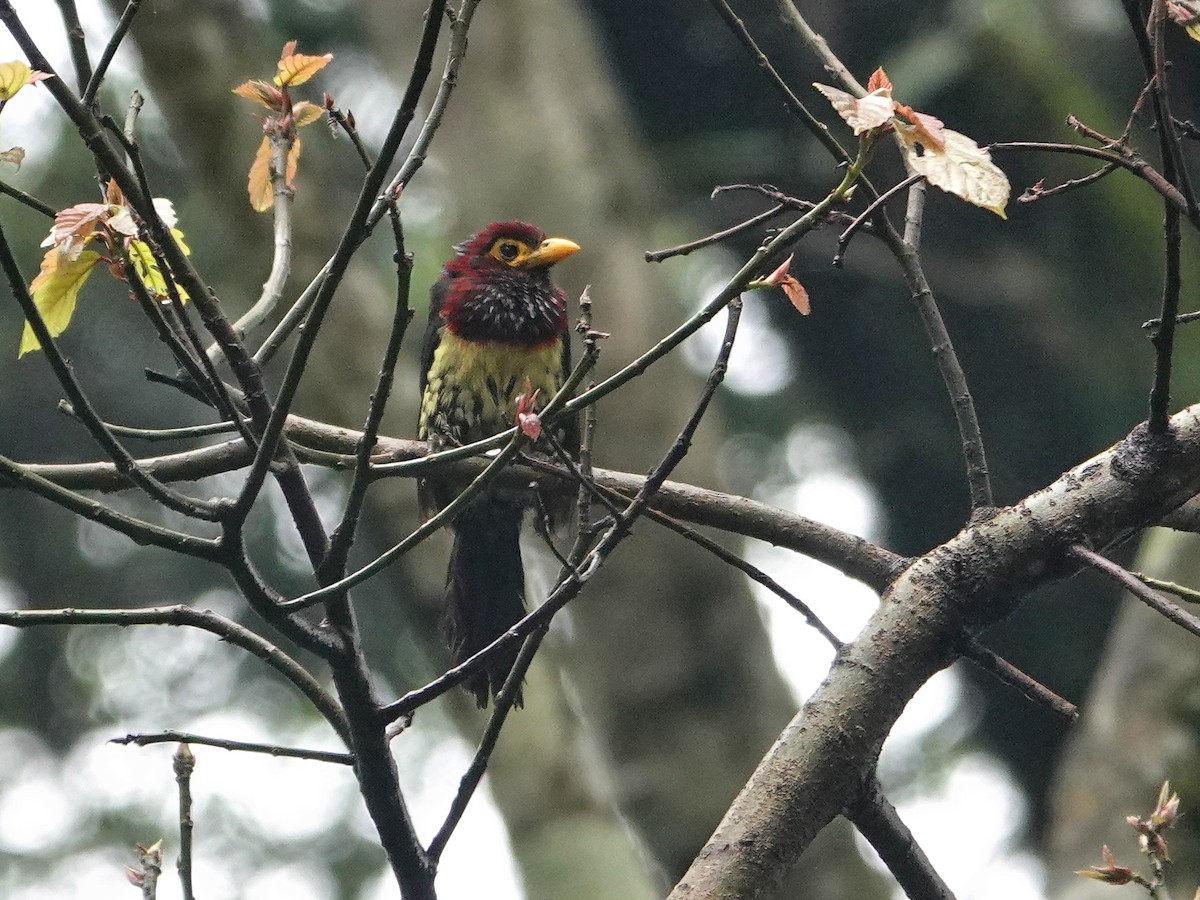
<point x="334" y="645"/>
<point x="1181" y="319"/>
<point x="110" y="50"/>
<point x="607" y="496"/>
<point x="345" y="121"/>
<point x="877" y="820"/>
<point x="1122" y="157"/>
<point x="27" y="199"/>
<point x="905" y="250"/>
<point x="845" y="237"/>
<point x="76" y="43"/>
<point x="171" y="737"/>
<point x="817" y="44"/>
<point x="818" y="128"/>
<point x="772" y="250"/>
<point x="159" y="434"/>
<point x="1163" y="338"/>
<point x="751" y="571"/>
<point x="342" y="538"/>
<point x="1191" y="595"/>
<point x="1150" y="41"/>
<point x="587" y="436"/>
<point x="1037" y="192"/>
<point x="176" y="332"/>
<point x="229" y="631"/>
<point x="690" y="246"/>
<point x="1006" y="672"/>
<point x="184" y="763"/>
<point x="13" y="474"/>
<point x="1153" y="599"/>
<point x="487" y="743"/>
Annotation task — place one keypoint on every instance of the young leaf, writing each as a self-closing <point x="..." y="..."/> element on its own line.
<point x="54" y="292"/>
<point x="879" y="80"/>
<point x="1186" y="14"/>
<point x="526" y="416"/>
<point x="296" y="68"/>
<point x="293" y="162"/>
<point x="927" y="130"/>
<point x="262" y="193"/>
<point x="13" y="76"/>
<point x="261" y="93"/>
<point x="259" y="184"/>
<point x="146" y="268"/>
<point x="305" y="113"/>
<point x="74" y="227"/>
<point x="964" y="169"/>
<point x="796" y="294"/>
<point x="860" y="113"/>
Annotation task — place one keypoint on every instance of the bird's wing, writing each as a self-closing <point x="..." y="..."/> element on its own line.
<point x="433" y="331"/>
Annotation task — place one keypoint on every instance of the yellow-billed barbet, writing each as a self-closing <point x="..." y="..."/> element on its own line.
<point x="497" y="328"/>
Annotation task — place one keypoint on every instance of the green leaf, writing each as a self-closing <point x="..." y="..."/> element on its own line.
<point x="54" y="292"/>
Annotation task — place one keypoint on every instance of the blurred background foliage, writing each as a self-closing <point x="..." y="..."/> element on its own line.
<point x="609" y="121"/>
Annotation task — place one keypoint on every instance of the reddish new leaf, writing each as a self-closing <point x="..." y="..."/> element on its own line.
<point x="261" y="93"/>
<point x="796" y="294"/>
<point x="927" y="130"/>
<point x="879" y="80"/>
<point x="526" y="416"/>
<point x="74" y="227"/>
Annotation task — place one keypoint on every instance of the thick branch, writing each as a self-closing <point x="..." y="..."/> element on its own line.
<point x="817" y="766"/>
<point x="853" y="556"/>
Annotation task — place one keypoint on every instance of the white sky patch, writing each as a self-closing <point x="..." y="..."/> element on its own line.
<point x="36" y="815"/>
<point x="91" y="874"/>
<point x="294" y="882"/>
<point x="359" y="86"/>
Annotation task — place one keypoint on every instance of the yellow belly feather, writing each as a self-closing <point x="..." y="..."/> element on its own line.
<point x="473" y="386"/>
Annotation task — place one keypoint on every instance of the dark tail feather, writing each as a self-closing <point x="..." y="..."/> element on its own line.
<point x="485" y="590"/>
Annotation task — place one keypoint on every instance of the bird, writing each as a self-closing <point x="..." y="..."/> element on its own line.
<point x="497" y="330"/>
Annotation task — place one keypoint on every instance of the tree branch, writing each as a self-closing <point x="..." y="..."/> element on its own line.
<point x="853" y="556"/>
<point x="877" y="820"/>
<point x="171" y="737"/>
<point x="1138" y="588"/>
<point x="229" y="631"/>
<point x="973" y="580"/>
<point x="184" y="763"/>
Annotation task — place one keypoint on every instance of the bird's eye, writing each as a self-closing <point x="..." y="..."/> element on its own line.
<point x="508" y="250"/>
